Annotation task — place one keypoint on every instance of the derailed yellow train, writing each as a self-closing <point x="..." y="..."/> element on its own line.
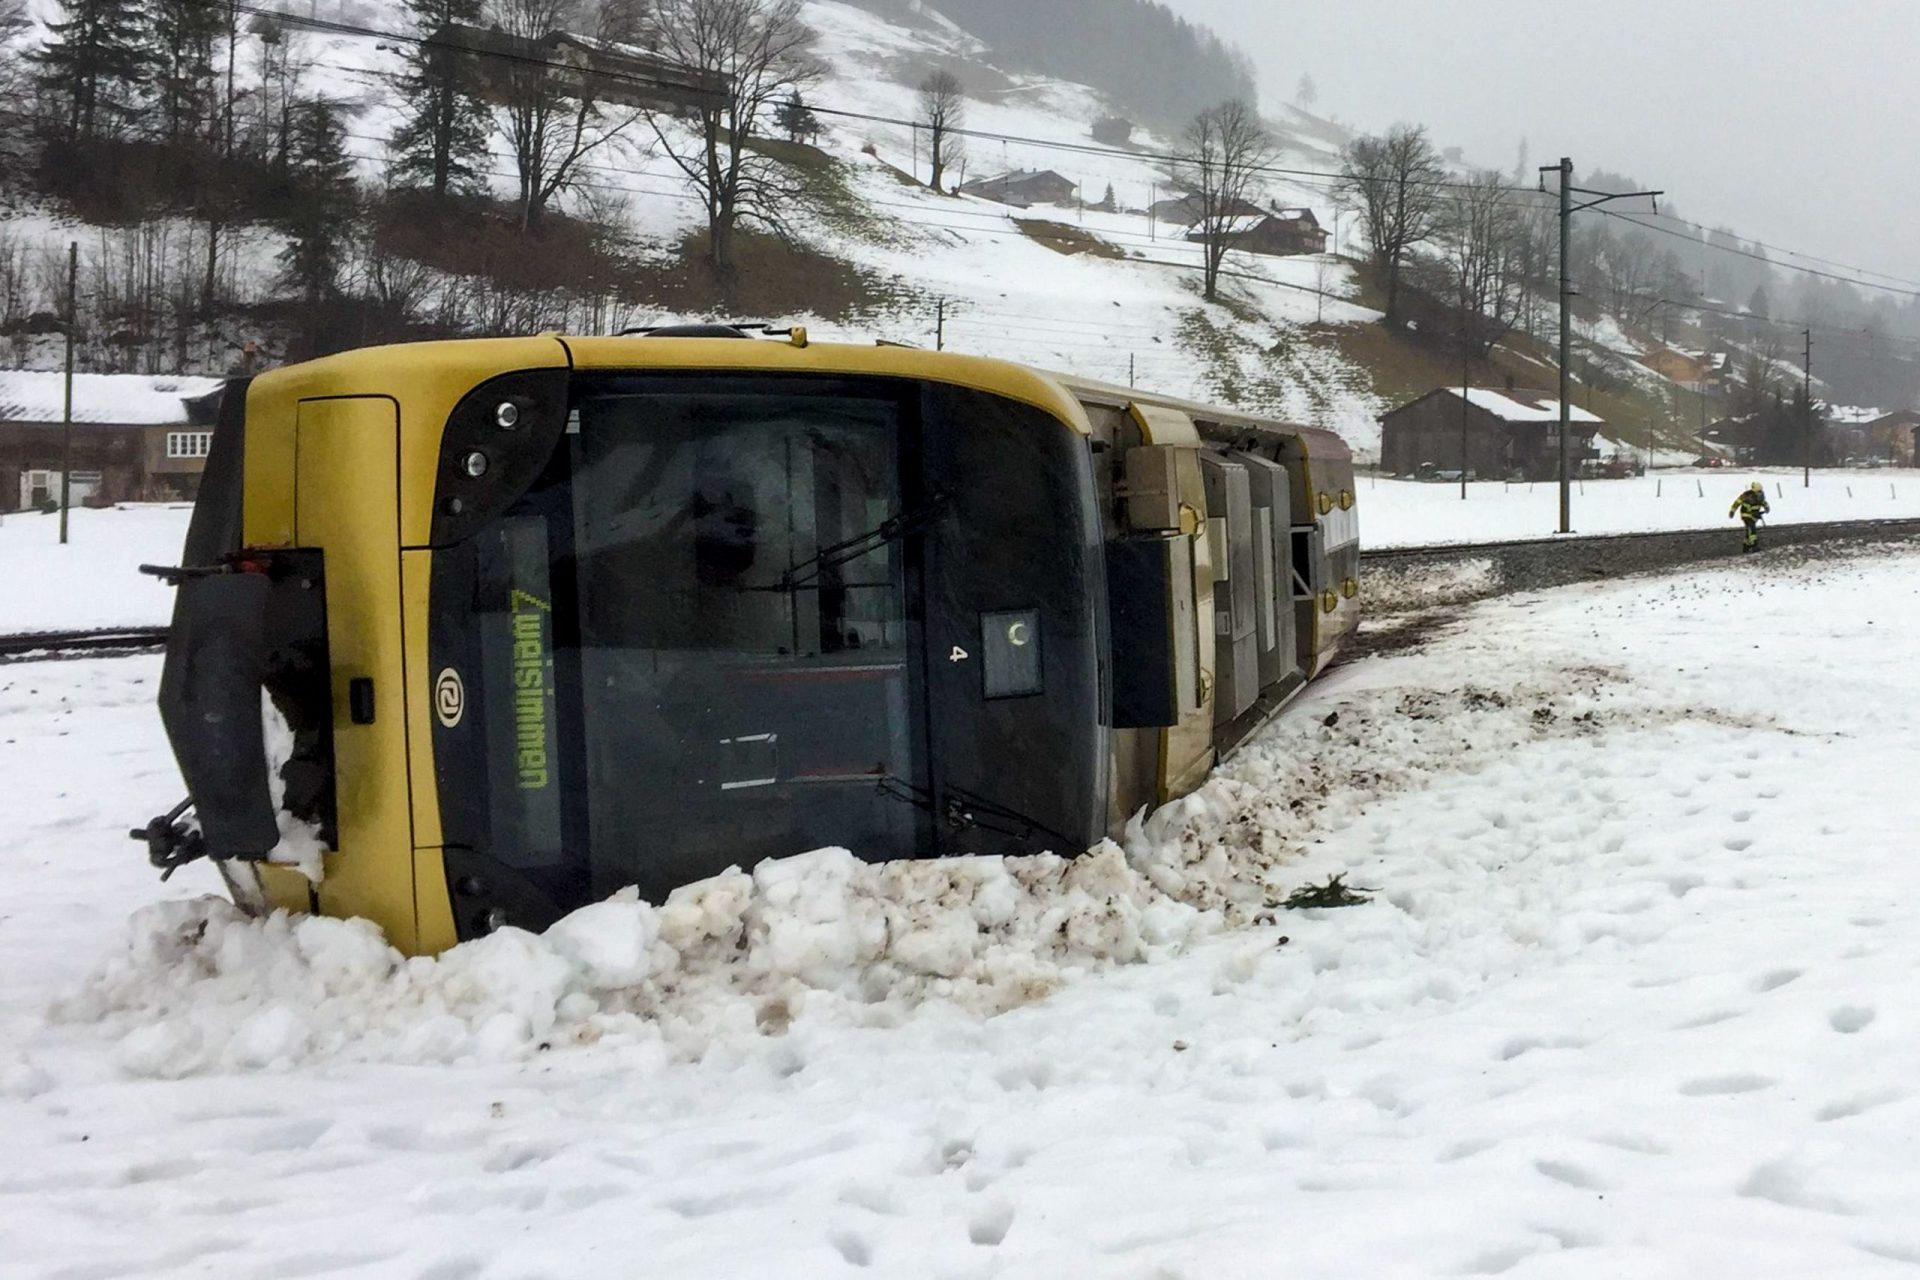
<point x="536" y="619"/>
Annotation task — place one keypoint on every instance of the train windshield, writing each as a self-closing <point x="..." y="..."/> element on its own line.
<point x="693" y="639"/>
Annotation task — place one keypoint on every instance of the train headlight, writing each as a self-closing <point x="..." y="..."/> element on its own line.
<point x="1346" y="499"/>
<point x="1326" y="504"/>
<point x="1329" y="602"/>
<point x="495" y="444"/>
<point x="1349" y="588"/>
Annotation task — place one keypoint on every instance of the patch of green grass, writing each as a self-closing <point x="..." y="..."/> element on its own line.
<point x="826" y="189"/>
<point x="1065" y="238"/>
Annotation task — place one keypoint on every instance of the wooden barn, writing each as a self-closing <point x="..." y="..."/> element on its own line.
<point x="1184" y="211"/>
<point x="1511" y="434"/>
<point x="1283" y="233"/>
<point x="135" y="438"/>
<point x="1023" y="188"/>
<point x="576" y="65"/>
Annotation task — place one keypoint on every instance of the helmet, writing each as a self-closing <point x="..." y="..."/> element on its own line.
<point x="1756" y="487"/>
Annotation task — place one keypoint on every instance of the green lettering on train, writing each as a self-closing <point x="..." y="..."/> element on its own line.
<point x="532" y="688"/>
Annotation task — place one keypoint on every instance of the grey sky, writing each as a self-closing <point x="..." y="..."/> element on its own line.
<point x="1789" y="120"/>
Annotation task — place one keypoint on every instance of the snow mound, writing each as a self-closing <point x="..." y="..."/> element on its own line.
<point x="199" y="986"/>
<point x="208" y="988"/>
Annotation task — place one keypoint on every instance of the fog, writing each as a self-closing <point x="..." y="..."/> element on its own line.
<point x="1788" y="121"/>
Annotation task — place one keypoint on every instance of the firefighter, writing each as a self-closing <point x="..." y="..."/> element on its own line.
<point x="1750" y="506"/>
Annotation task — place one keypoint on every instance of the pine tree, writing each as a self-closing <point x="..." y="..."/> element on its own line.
<point x="319" y="218"/>
<point x="94" y="65"/>
<point x="795" y="118"/>
<point x="186" y="90"/>
<point x="441" y="143"/>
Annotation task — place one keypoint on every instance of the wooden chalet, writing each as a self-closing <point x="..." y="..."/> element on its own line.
<point x="1510" y="434"/>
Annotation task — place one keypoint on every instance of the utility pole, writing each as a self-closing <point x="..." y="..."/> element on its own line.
<point x="1806" y="394"/>
<point x="66" y="415"/>
<point x="939" y="324"/>
<point x="1566" y="339"/>
<point x="1466" y="385"/>
<point x="1567" y="210"/>
<point x="1129" y="368"/>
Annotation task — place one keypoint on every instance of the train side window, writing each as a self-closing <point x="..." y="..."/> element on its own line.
<point x="1302" y="559"/>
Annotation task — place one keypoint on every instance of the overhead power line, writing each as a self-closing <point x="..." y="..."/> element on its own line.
<point x="1761" y="257"/>
<point x="1328" y="180"/>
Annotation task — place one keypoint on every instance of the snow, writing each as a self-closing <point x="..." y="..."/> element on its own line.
<point x="122" y="399"/>
<point x="95" y="580"/>
<point x="1405" y="513"/>
<point x="1510" y="408"/>
<point x="1632" y="996"/>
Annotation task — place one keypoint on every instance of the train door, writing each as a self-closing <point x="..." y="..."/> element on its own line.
<point x="346" y="502"/>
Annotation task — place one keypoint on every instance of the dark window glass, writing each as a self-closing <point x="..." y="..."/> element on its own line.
<point x="513" y="604"/>
<point x="721" y="671"/>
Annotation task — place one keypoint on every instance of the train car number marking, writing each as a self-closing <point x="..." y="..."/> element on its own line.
<point x="958" y="655"/>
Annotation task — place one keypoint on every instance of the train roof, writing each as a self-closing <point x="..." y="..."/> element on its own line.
<point x="1061" y="394"/>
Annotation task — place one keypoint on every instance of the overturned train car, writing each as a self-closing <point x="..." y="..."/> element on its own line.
<point x="536" y="619"/>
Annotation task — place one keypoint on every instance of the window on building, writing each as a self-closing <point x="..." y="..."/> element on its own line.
<point x="188" y="444"/>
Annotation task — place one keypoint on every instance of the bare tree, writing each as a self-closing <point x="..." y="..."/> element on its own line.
<point x="552" y="119"/>
<point x="1480" y="244"/>
<point x="1218" y="164"/>
<point x="1395" y="181"/>
<point x="760" y="51"/>
<point x="944" y="109"/>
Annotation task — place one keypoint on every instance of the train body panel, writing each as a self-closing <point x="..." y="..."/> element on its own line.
<point x="611" y="611"/>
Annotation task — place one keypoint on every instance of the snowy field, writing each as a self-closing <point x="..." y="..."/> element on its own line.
<point x="1406" y="513"/>
<point x="1634" y="997"/>
<point x="95" y="580"/>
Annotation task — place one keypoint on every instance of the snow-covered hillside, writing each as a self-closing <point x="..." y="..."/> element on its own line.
<point x="1110" y="295"/>
<point x="1632" y="995"/>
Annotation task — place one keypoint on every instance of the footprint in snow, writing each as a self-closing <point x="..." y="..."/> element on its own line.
<point x="1718" y="1086"/>
<point x="1571" y="1175"/>
<point x="1859" y="1103"/>
<point x="851" y="1246"/>
<point x="1774" y="979"/>
<point x="1849" y="1018"/>
<point x="989" y="1225"/>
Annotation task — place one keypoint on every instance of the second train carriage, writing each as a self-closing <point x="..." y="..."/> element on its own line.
<point x="547" y="617"/>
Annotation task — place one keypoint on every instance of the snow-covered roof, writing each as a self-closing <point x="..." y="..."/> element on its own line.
<point x="117" y="399"/>
<point x="1522" y="406"/>
<point x="1853" y="414"/>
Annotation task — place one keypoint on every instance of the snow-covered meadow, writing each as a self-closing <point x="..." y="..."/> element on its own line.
<point x="1409" y="513"/>
<point x="1633" y="997"/>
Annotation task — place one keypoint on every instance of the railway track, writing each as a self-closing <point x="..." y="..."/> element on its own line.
<point x="29" y="646"/>
<point x="1713" y="540"/>
<point x="1412" y="592"/>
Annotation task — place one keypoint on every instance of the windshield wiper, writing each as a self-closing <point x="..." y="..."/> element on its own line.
<point x="892" y="529"/>
<point x="967" y="810"/>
